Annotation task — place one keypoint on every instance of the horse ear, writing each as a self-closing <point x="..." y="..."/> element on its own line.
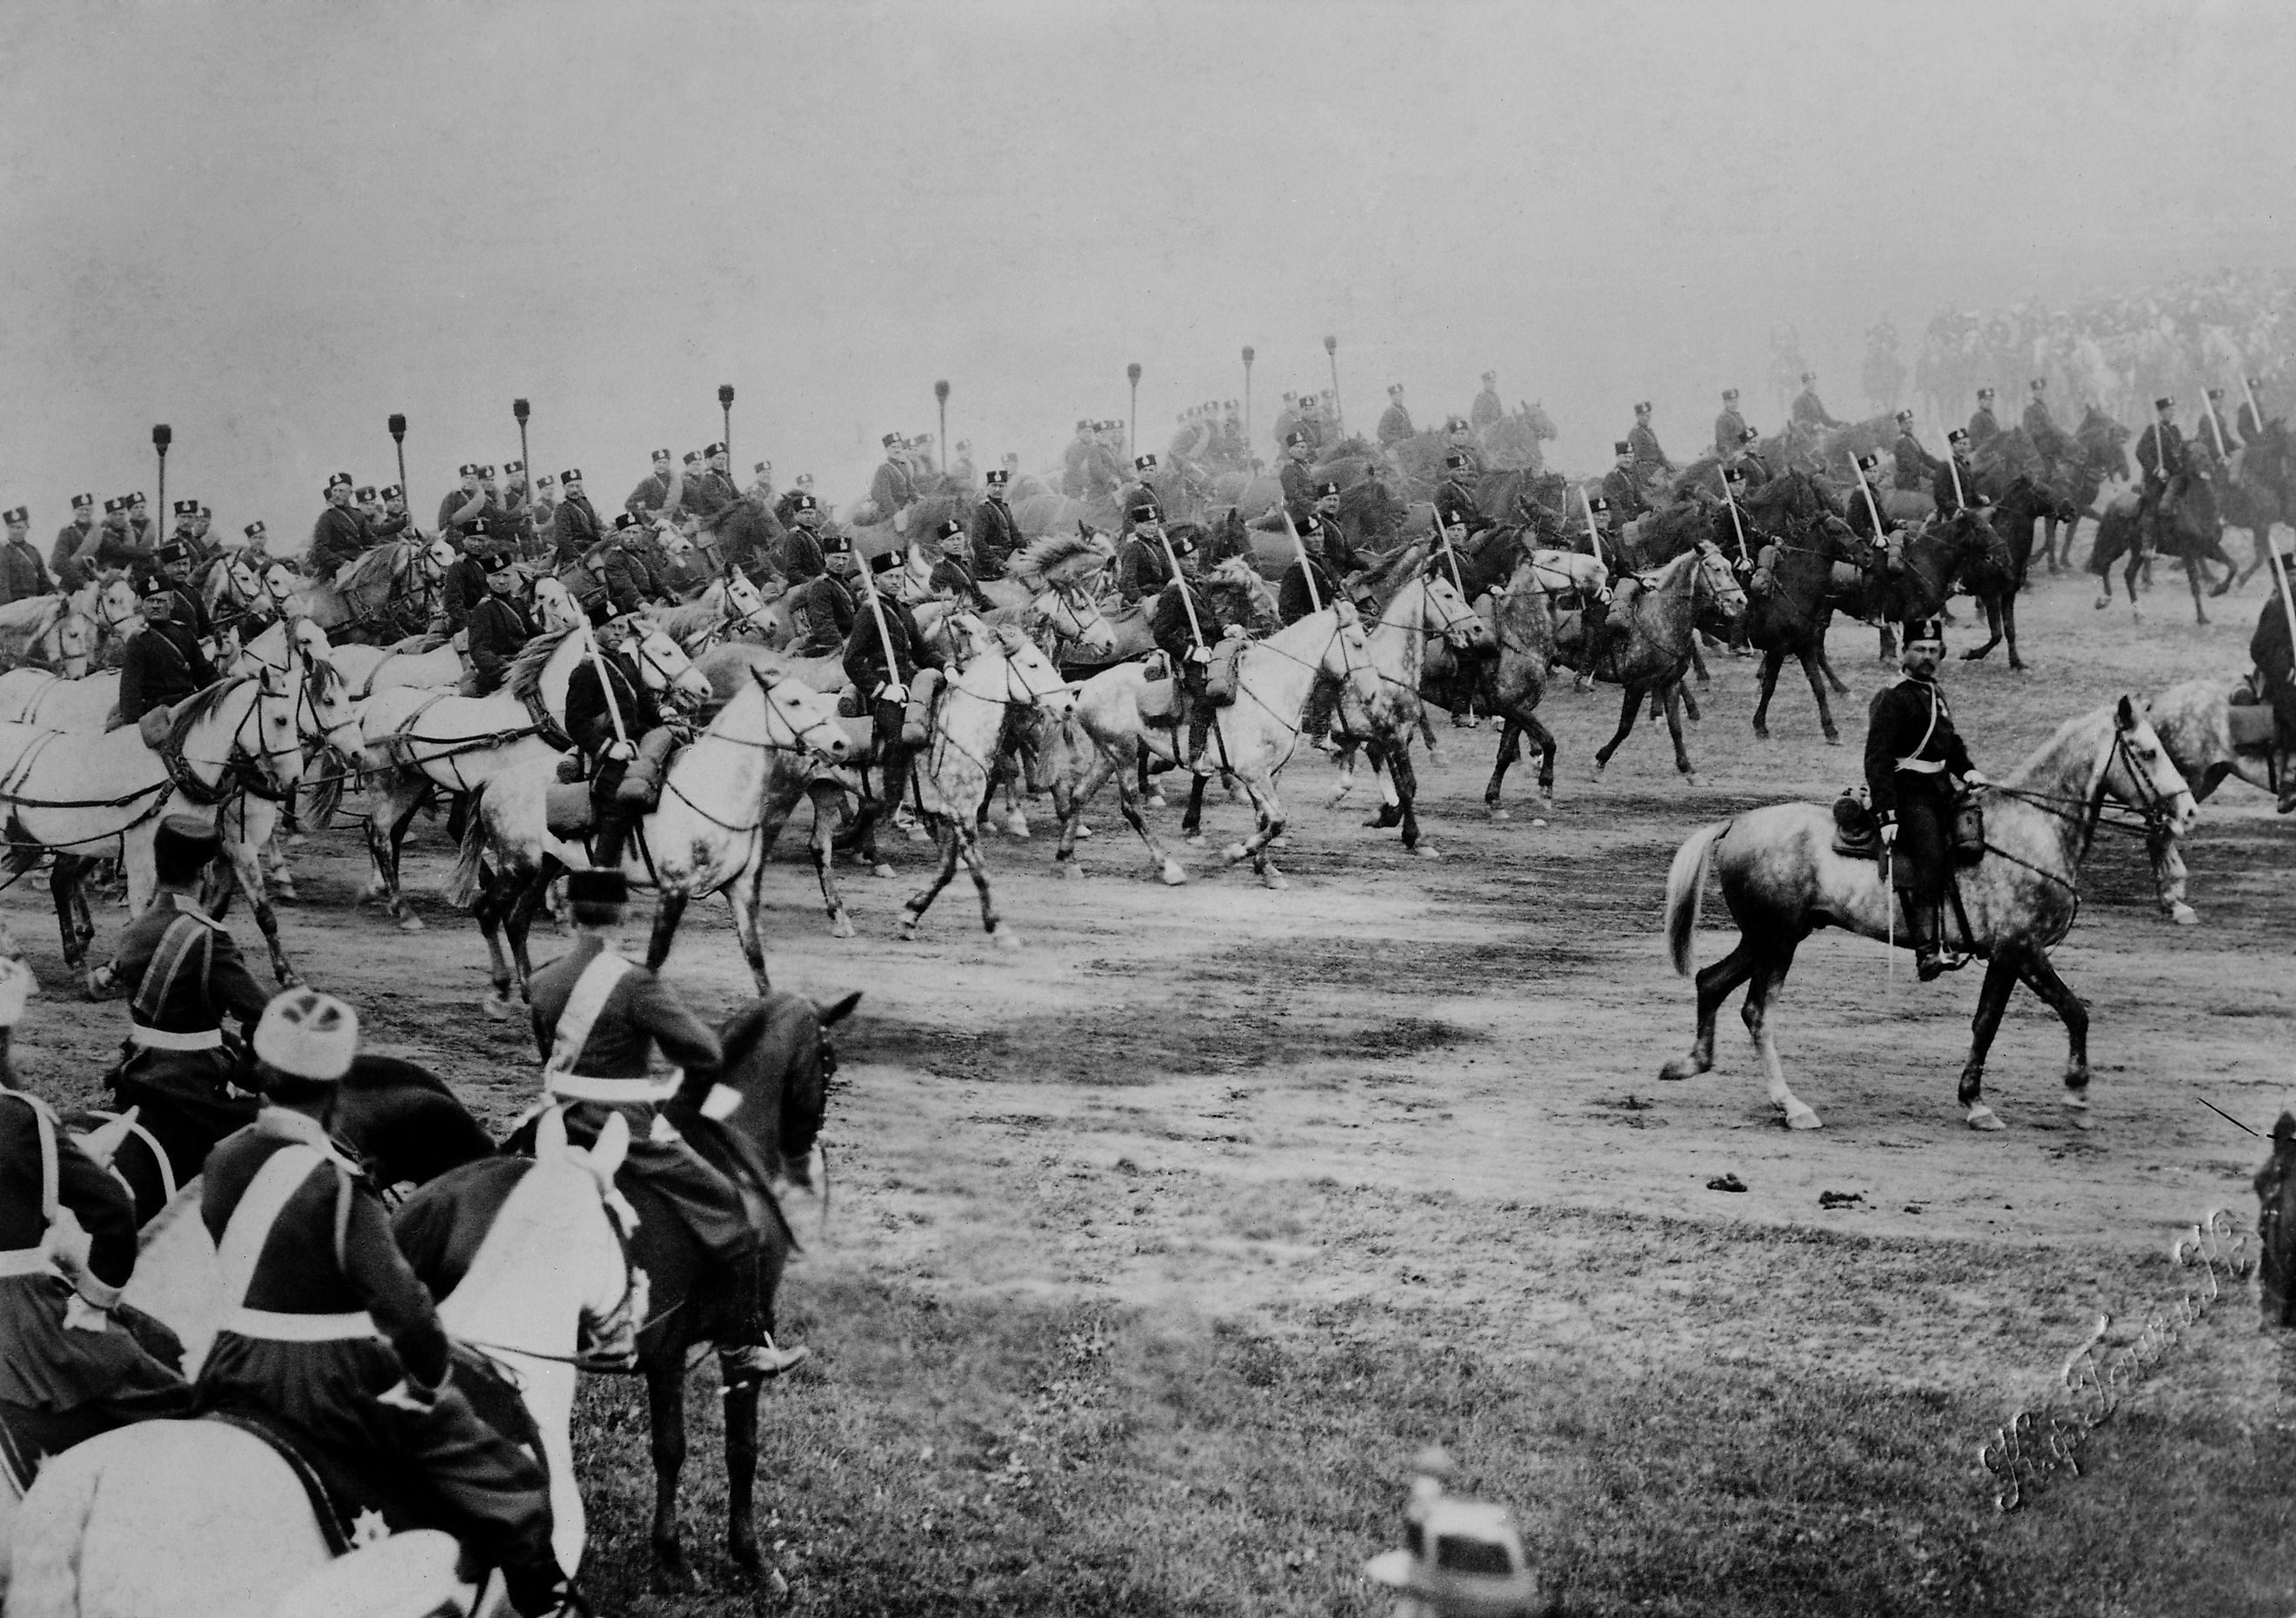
<point x="2125" y="714"/>
<point x="550" y="1132"/>
<point x="836" y="1011"/>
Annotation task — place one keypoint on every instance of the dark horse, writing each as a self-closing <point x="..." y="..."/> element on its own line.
<point x="2193" y="533"/>
<point x="2021" y="508"/>
<point x="2275" y="1224"/>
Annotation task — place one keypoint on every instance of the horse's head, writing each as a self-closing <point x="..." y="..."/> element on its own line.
<point x="1981" y="555"/>
<point x="69" y="640"/>
<point x="809" y="717"/>
<point x="556" y="603"/>
<point x="1541" y="424"/>
<point x="241" y="723"/>
<point x="323" y="710"/>
<point x="665" y="668"/>
<point x="431" y="557"/>
<point x="571" y="1243"/>
<point x="2140" y="773"/>
<point x="1347" y="655"/>
<point x="278" y="588"/>
<point x="1236" y="576"/>
<point x="1074" y="616"/>
<point x="1034" y="680"/>
<point x="311" y="641"/>
<point x="2276" y="1223"/>
<point x="1450" y="614"/>
<point x="781" y="1046"/>
<point x="1716" y="582"/>
<point x="745" y="604"/>
<point x="114" y="609"/>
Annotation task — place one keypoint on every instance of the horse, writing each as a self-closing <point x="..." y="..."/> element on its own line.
<point x="2276" y="1225"/>
<point x="2023" y="506"/>
<point x="2191" y="533"/>
<point x="422" y="662"/>
<point x="110" y="601"/>
<point x="239" y="585"/>
<point x="45" y="635"/>
<point x="1519" y="614"/>
<point x="729" y="607"/>
<point x="421" y="742"/>
<point x="701" y="838"/>
<point x="1962" y="548"/>
<point x="1255" y="738"/>
<point x="2194" y="722"/>
<point x="1789" y="607"/>
<point x="1781" y="880"/>
<point x="390" y="591"/>
<point x="88" y="797"/>
<point x="198" y="1519"/>
<point x="1657" y="652"/>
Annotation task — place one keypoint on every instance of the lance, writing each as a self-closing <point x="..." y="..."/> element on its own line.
<point x="1132" y="421"/>
<point x="2279" y="582"/>
<point x="1247" y="408"/>
<point x="940" y="394"/>
<point x="162" y="436"/>
<point x="1593" y="537"/>
<point x="1307" y="568"/>
<point x="1737" y="526"/>
<point x="725" y="416"/>
<point x="1339" y="415"/>
<point x="520" y="409"/>
<point x="1873" y="511"/>
<point x="605" y="678"/>
<point x="398" y="424"/>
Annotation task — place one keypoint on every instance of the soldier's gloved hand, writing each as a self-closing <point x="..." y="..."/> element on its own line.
<point x="1975" y="779"/>
<point x="1200" y="655"/>
<point x="621" y="752"/>
<point x="409" y="1395"/>
<point x="1889" y="832"/>
<point x="1233" y="632"/>
<point x="893" y="693"/>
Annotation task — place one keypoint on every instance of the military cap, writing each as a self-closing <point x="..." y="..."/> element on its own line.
<point x="1730" y="395"/>
<point x="154" y="585"/>
<point x="1733" y="474"/>
<point x="2165" y="402"/>
<point x="1917" y="629"/>
<point x="185" y="839"/>
<point x="805" y="479"/>
<point x="596" y="887"/>
<point x="15" y="516"/>
<point x="1621" y="446"/>
<point x="478" y="528"/>
<point x="1983" y="394"/>
<point x="1147" y="511"/>
<point x="83" y="502"/>
<point x="1294" y="439"/>
<point x="949" y="529"/>
<point x="1083" y="426"/>
<point x="1749" y="435"/>
<point x="391" y="491"/>
<point x="254" y="530"/>
<point x="1958" y="437"/>
<point x="207" y="511"/>
<point x="2038" y="384"/>
<point x="1643" y="408"/>
<point x="2254" y="382"/>
<point x="341" y="479"/>
<point x="307" y="1034"/>
<point x="572" y="475"/>
<point x="1904" y="416"/>
<point x="836" y="545"/>
<point x="174" y="553"/>
<point x="511" y="469"/>
<point x="892" y="440"/>
<point x="886" y="562"/>
<point x="1326" y="488"/>
<point x="187" y="508"/>
<point x="1183" y="543"/>
<point x="624" y="520"/>
<point x="1808" y="377"/>
<point x="2216" y="393"/>
<point x="763" y="467"/>
<point x="544" y="481"/>
<point x="468" y="469"/>
<point x="709" y="449"/>
<point x="1393" y="388"/>
<point x="998" y="477"/>
<point x="1868" y="460"/>
<point x="1144" y="464"/>
<point x="1455" y="461"/>
<point x="805" y="502"/>
<point x="1457" y="424"/>
<point x="367" y="494"/>
<point x="1454" y="516"/>
<point x="139" y="497"/>
<point x="692" y="458"/>
<point x="661" y="455"/>
<point x="493" y="561"/>
<point x="1597" y="504"/>
<point x="1490" y="376"/>
<point x="113" y="508"/>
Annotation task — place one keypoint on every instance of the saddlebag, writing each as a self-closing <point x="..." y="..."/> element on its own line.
<point x="1968" y="829"/>
<point x="1160" y="696"/>
<point x="565" y="810"/>
<point x="1857" y="835"/>
<point x="2248" y="718"/>
<point x="1221" y="675"/>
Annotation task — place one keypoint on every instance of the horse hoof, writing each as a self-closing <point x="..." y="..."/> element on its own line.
<point x="1690" y="778"/>
<point x="1833" y="738"/>
<point x="1800" y="1116"/>
<point x="1983" y="1117"/>
<point x="497" y="1005"/>
<point x="1682" y="1067"/>
<point x="1761" y="732"/>
<point x="1005" y="938"/>
<point x="410" y="923"/>
<point x="2184" y="916"/>
<point x="1539" y="820"/>
<point x="1495" y="813"/>
<point x="2104" y="602"/>
<point x="882" y="869"/>
<point x="2077" y="1112"/>
<point x="840" y="925"/>
<point x="907" y="932"/>
<point x="1155" y="801"/>
<point x="1083" y="831"/>
<point x="1234" y="852"/>
<point x="1275" y="879"/>
<point x="1017" y="827"/>
<point x="1194" y="840"/>
<point x="1427" y="851"/>
<point x="1172" y="873"/>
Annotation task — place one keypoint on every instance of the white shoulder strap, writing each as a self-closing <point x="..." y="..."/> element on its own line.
<point x="51" y="1174"/>
<point x="582" y="1008"/>
<point x="251" y="1222"/>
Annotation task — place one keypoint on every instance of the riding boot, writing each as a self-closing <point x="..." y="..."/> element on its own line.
<point x="747" y="1355"/>
<point x="1925" y="923"/>
<point x="1199" y="725"/>
<point x="614" y="820"/>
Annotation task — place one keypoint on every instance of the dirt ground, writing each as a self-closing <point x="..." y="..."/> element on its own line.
<point x="1424" y="1093"/>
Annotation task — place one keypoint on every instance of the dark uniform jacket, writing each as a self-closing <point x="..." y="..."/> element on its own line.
<point x="63" y="556"/>
<point x="2268" y="649"/>
<point x="1292" y="599"/>
<point x="1898" y="728"/>
<point x="2042" y="427"/>
<point x="1141" y="569"/>
<point x="995" y="535"/>
<point x="192" y="612"/>
<point x="462" y="588"/>
<point x="1457" y="490"/>
<point x="163" y="665"/>
<point x="338" y="537"/>
<point x="1914" y="464"/>
<point x="623" y="577"/>
<point x="2210" y="429"/>
<point x="952" y="579"/>
<point x="707" y="497"/>
<point x="1942" y="486"/>
<point x="2160" y="452"/>
<point x="1299" y="482"/>
<point x="893" y="488"/>
<point x="1807" y="410"/>
<point x="456" y="499"/>
<point x="1728" y="428"/>
<point x="500" y="630"/>
<point x="747" y="536"/>
<point x="182" y="975"/>
<point x="574" y="529"/>
<point x="1395" y="424"/>
<point x="1650" y="460"/>
<point x="21" y="574"/>
<point x="1168" y="620"/>
<point x="828" y="605"/>
<point x="650" y="495"/>
<point x="590" y="723"/>
<point x="798" y="555"/>
<point x="640" y="1015"/>
<point x="1983" y="426"/>
<point x="1624" y="493"/>
<point x="2245" y="425"/>
<point x="1861" y="514"/>
<point x="1486" y="409"/>
<point x="870" y="664"/>
<point x="1325" y="540"/>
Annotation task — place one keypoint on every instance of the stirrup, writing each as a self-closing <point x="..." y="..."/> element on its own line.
<point x="757" y="1362"/>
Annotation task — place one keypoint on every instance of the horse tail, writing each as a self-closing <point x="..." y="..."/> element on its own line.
<point x="51" y="1525"/>
<point x="462" y="887"/>
<point x="324" y="795"/>
<point x="1685" y="892"/>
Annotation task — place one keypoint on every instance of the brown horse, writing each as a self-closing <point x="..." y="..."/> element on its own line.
<point x="1783" y="880"/>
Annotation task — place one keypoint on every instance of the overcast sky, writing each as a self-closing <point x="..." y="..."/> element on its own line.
<point x="271" y="226"/>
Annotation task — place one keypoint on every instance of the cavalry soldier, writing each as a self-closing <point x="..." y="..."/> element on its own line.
<point x="1914" y="466"/>
<point x="189" y="526"/>
<point x="1954" y="485"/>
<point x="1458" y="485"/>
<point x="785" y="508"/>
<point x="339" y="537"/>
<point x="952" y="575"/>
<point x="1395" y="425"/>
<point x="163" y="664"/>
<point x="396" y="520"/>
<point x="74" y="535"/>
<point x="1487" y="410"/>
<point x="174" y="571"/>
<point x="825" y="602"/>
<point x="203" y="549"/>
<point x="1651" y="463"/>
<point x="330" y="1332"/>
<point x="2210" y="428"/>
<point x="182" y="975"/>
<point x="465" y="583"/>
<point x="1983" y="427"/>
<point x="1806" y="407"/>
<point x="1076" y="461"/>
<point x="1598" y="628"/>
<point x="626" y="740"/>
<point x="116" y="544"/>
<point x="883" y="654"/>
<point x="21" y="575"/>
<point x="894" y="487"/>
<point x="1141" y="490"/>
<point x="1325" y="550"/>
<point x="574" y="531"/>
<point x="997" y="531"/>
<point x="1297" y="474"/>
<point x="708" y="496"/>
<point x="1321" y="528"/>
<point x="1915" y="763"/>
<point x="463" y="504"/>
<point x="1462" y="441"/>
<point x="803" y="543"/>
<point x="619" y="573"/>
<point x="657" y="489"/>
<point x="1622" y="487"/>
<point x="368" y="503"/>
<point x="497" y="628"/>
<point x="1729" y="427"/>
<point x="1747" y="459"/>
<point x="2041" y="427"/>
<point x="2245" y="422"/>
<point x="2275" y="657"/>
<point x="761" y="488"/>
<point x="2160" y="452"/>
<point x="142" y="533"/>
<point x="61" y="1352"/>
<point x="541" y="515"/>
<point x="1862" y="507"/>
<point x="599" y="1018"/>
<point x="1184" y="625"/>
<point x="1141" y="570"/>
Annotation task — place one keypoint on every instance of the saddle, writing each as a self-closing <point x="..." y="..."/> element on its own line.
<point x="1857" y="835"/>
<point x="2248" y="716"/>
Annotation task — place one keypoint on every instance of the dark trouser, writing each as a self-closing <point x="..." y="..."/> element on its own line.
<point x="887" y="719"/>
<point x="1323" y="706"/>
<point x="1200" y="711"/>
<point x="1923" y="861"/>
<point x="612" y="817"/>
<point x="186" y="1121"/>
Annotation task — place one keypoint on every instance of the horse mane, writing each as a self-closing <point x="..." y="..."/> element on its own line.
<point x="524" y="680"/>
<point x="1039" y="557"/>
<point x="33" y="616"/>
<point x="375" y="565"/>
<point x="1387" y="576"/>
<point x="204" y="702"/>
<point x="687" y="616"/>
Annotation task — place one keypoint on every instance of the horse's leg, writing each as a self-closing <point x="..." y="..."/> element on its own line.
<point x="2001" y="975"/>
<point x="1406" y="792"/>
<point x="2009" y="631"/>
<point x="1697" y="662"/>
<point x="1993" y="625"/>
<point x="1629" y="710"/>
<point x="1715" y="985"/>
<point x="1825" y="665"/>
<point x="1150" y="796"/>
<point x="1769" y="977"/>
<point x="524" y="902"/>
<point x="244" y="863"/>
<point x="993" y="924"/>
<point x="740" y="1417"/>
<point x="2041" y="977"/>
<point x="1543" y="739"/>
<point x="1772" y="661"/>
<point x="2166" y="851"/>
<point x="394" y="847"/>
<point x="1672" y="696"/>
<point x="1889" y="644"/>
<point x="1254" y="848"/>
<point x="1390" y="801"/>
<point x="1191" y="821"/>
<point x="63" y="887"/>
<point x="666" y="1410"/>
<point x="745" y="897"/>
<point x="948" y="831"/>
<point x="828" y="807"/>
<point x="1817" y="690"/>
<point x="1509" y="750"/>
<point x="487" y="910"/>
<point x="1689" y="702"/>
<point x="1343" y="764"/>
<point x="668" y="909"/>
<point x="2193" y="568"/>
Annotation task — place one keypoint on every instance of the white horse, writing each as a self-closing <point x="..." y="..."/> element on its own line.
<point x="702" y="838"/>
<point x="400" y="577"/>
<point x="82" y="797"/>
<point x="420" y="741"/>
<point x="195" y="1519"/>
<point x="48" y="633"/>
<point x="2195" y="721"/>
<point x="730" y="608"/>
<point x="87" y="701"/>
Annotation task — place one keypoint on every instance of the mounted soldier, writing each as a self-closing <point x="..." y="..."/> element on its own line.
<point x="339" y="537"/>
<point x="1395" y="421"/>
<point x="464" y="585"/>
<point x="1806" y="407"/>
<point x="1459" y="439"/>
<point x="1954" y="485"/>
<point x="1140" y="490"/>
<point x="599" y="1018"/>
<point x="1650" y="462"/>
<point x="1487" y="410"/>
<point x="1608" y="614"/>
<point x="2248" y="423"/>
<point x="1297" y="474"/>
<point x="1916" y="767"/>
<point x="1458" y="485"/>
<point x="785" y="508"/>
<point x="657" y="489"/>
<point x="1747" y="460"/>
<point x="826" y="605"/>
<point x="803" y="543"/>
<point x="1914" y="467"/>
<point x="540" y="525"/>
<point x="1620" y="487"/>
<point x="463" y="505"/>
<point x="164" y="664"/>
<point x="883" y="654"/>
<point x="71" y="538"/>
<point x="2055" y="445"/>
<point x="996" y="530"/>
<point x="1983" y="426"/>
<point x="331" y="1334"/>
<point x="1729" y="426"/>
<point x="1320" y="531"/>
<point x="22" y="574"/>
<point x="174" y="569"/>
<point x="1186" y="626"/>
<point x="893" y="489"/>
<point x="2161" y="452"/>
<point x="1141" y="572"/>
<point x="2274" y="654"/>
<point x="574" y="531"/>
<point x="497" y="629"/>
<point x="626" y="739"/>
<point x="2209" y="430"/>
<point x="951" y="576"/>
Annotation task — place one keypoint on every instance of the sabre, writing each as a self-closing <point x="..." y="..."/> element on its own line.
<point x="1954" y="466"/>
<point x="1593" y="537"/>
<point x="2280" y="581"/>
<point x="2228" y="1118"/>
<point x="605" y="681"/>
<point x="2209" y="405"/>
<point x="1443" y="543"/>
<point x="1737" y="526"/>
<point x="2254" y="408"/>
<point x="877" y="612"/>
<point x="1307" y="568"/>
